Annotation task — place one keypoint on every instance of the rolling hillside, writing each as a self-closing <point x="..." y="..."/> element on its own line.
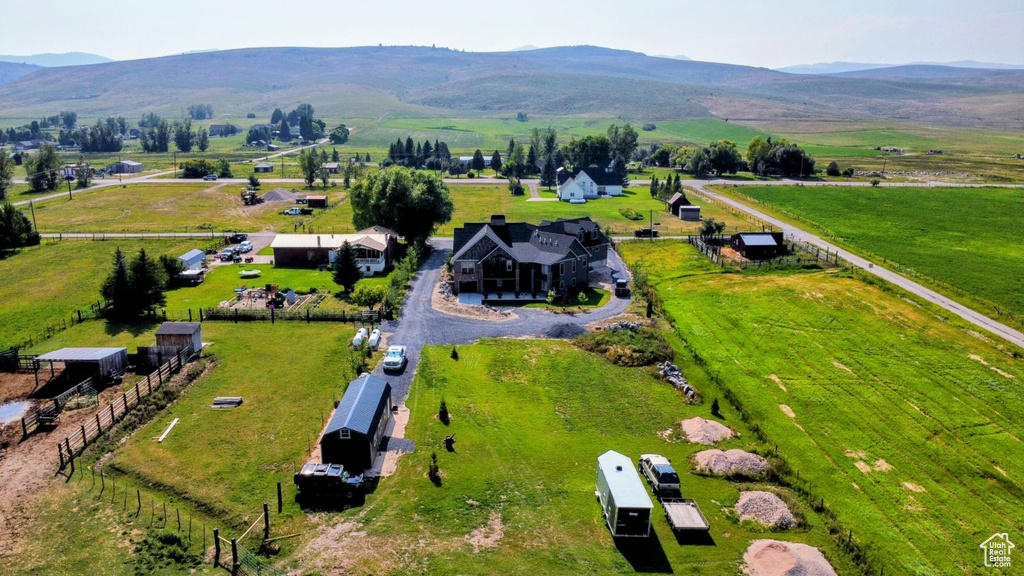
<point x="9" y="71"/>
<point x="581" y="80"/>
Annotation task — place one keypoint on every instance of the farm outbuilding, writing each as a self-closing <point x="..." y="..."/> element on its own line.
<point x="125" y="167"/>
<point x="316" y="200"/>
<point x="89" y="362"/>
<point x="625" y="504"/>
<point x="263" y="168"/>
<point x="180" y="335"/>
<point x="354" y="434"/>
<point x="193" y="259"/>
<point x="679" y="206"/>
<point x="759" y="245"/>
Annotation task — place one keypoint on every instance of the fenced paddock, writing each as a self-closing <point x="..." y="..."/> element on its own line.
<point x="107" y="417"/>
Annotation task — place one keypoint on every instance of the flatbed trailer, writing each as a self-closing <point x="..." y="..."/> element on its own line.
<point x="684" y="515"/>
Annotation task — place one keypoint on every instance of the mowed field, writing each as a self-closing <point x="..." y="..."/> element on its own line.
<point x="44" y="285"/>
<point x="961" y="237"/>
<point x="906" y="420"/>
<point x="517" y="495"/>
<point x="166" y="208"/>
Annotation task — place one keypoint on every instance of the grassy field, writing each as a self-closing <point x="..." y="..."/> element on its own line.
<point x="530" y="419"/>
<point x="44" y="285"/>
<point x="906" y="420"/>
<point x="221" y="281"/>
<point x="476" y="203"/>
<point x="165" y="208"/>
<point x="914" y="227"/>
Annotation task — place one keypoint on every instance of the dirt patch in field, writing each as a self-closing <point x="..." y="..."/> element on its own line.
<point x="764" y="508"/>
<point x="778" y="381"/>
<point x="863" y="467"/>
<point x="776" y="558"/>
<point x="841" y="366"/>
<point x="882" y="466"/>
<point x="487" y="536"/>
<point x="703" y="431"/>
<point x="913" y="487"/>
<point x="857" y="454"/>
<point x="787" y="410"/>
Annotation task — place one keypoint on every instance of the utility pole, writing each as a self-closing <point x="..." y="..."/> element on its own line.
<point x="652" y="226"/>
<point x="884" y="160"/>
<point x="175" y="164"/>
<point x="69" y="188"/>
<point x="32" y="207"/>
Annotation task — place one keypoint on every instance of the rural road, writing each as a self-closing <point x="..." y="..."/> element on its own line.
<point x="972" y="316"/>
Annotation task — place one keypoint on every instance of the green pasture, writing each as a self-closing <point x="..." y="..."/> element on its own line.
<point x="956" y="237"/>
<point x="905" y="421"/>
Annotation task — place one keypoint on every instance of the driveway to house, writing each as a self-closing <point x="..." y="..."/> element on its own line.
<point x="420" y="325"/>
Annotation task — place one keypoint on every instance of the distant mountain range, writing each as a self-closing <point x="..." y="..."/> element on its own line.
<point x="368" y="82"/>
<point x="840" y="67"/>
<point x="52" y="60"/>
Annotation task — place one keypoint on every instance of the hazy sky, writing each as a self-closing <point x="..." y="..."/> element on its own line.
<point x="770" y="33"/>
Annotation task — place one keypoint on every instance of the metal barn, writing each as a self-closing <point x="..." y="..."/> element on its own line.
<point x="90" y="362"/>
<point x="625" y="504"/>
<point x="354" y="434"/>
<point x="759" y="245"/>
<point x="193" y="259"/>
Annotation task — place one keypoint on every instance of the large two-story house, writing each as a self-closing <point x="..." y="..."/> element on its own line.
<point x="525" y="261"/>
<point x="588" y="183"/>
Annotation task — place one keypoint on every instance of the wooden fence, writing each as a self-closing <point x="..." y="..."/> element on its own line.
<point x="106" y="418"/>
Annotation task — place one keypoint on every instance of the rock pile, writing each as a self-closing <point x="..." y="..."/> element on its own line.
<point x="674" y="375"/>
<point x="565" y="330"/>
<point x="764" y="508"/>
<point x="280" y="195"/>
<point x="775" y="558"/>
<point x="701" y="431"/>
<point x="730" y="463"/>
<point x="622" y="325"/>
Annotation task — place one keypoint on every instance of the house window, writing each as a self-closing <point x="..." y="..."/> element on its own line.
<point x="508" y="265"/>
<point x="544" y="285"/>
<point x="573" y="266"/>
<point x="561" y="268"/>
<point x="545" y="269"/>
<point x="561" y="285"/>
<point x="345" y="434"/>
<point x="593" y="234"/>
<point x="467" y="267"/>
<point x="584" y="261"/>
<point x="573" y="281"/>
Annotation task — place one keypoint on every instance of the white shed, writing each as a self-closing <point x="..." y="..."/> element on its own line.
<point x="625" y="503"/>
<point x="193" y="259"/>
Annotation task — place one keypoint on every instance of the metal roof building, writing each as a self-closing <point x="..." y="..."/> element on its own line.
<point x="193" y="259"/>
<point x="102" y="362"/>
<point x="625" y="503"/>
<point x="354" y="433"/>
<point x="759" y="245"/>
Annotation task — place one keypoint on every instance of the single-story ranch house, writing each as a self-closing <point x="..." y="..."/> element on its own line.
<point x="588" y="183"/>
<point x="375" y="249"/>
<point x="525" y="259"/>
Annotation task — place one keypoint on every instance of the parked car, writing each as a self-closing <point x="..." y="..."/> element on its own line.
<point x="245" y="246"/>
<point x="237" y="237"/>
<point x="659" y="473"/>
<point x="374" y="339"/>
<point x="357" y="340"/>
<point x="645" y="233"/>
<point x="395" y="358"/>
<point x="293" y="211"/>
<point x="622" y="288"/>
<point x="210" y="177"/>
<point x="228" y="254"/>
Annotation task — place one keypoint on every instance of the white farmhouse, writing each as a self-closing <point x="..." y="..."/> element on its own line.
<point x="588" y="183"/>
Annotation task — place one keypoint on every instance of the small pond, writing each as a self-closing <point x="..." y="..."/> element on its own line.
<point x="13" y="411"/>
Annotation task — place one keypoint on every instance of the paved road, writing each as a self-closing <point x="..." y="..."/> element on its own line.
<point x="972" y="316"/>
<point x="421" y="325"/>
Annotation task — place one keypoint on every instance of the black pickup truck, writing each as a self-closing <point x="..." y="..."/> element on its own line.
<point x="645" y="233"/>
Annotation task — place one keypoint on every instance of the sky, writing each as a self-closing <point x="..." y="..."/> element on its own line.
<point x="768" y="33"/>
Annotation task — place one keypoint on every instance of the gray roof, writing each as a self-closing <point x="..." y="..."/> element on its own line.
<point x="192" y="255"/>
<point x="168" y="328"/>
<point x="522" y="242"/>
<point x="624" y="483"/>
<point x="129" y="163"/>
<point x="81" y="354"/>
<point x="362" y="406"/>
<point x="755" y="239"/>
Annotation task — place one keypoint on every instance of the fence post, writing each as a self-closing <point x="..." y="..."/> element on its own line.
<point x="234" y="557"/>
<point x="24" y="429"/>
<point x="85" y="440"/>
<point x="216" y="546"/>
<point x="138" y="496"/>
<point x="280" y="502"/>
<point x="165" y="514"/>
<point x="266" y="521"/>
<point x="271" y="315"/>
<point x="177" y="513"/>
<point x="200" y="314"/>
<point x="99" y="429"/>
<point x="60" y="451"/>
<point x="149" y="383"/>
<point x="111" y="413"/>
<point x="189" y="314"/>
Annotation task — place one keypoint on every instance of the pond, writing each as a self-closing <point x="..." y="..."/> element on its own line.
<point x="12" y="411"/>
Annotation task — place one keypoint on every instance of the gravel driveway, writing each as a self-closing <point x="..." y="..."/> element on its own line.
<point x="421" y="325"/>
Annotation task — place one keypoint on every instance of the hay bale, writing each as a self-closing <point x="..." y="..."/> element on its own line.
<point x="776" y="558"/>
<point x="730" y="463"/>
<point x="703" y="431"/>
<point x="764" y="508"/>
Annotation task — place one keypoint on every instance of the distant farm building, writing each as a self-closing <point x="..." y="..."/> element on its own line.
<point x="125" y="167"/>
<point x="81" y="363"/>
<point x="354" y="434"/>
<point x="588" y="183"/>
<point x="679" y="206"/>
<point x="180" y="335"/>
<point x="625" y="504"/>
<point x="193" y="259"/>
<point x="375" y="249"/>
<point x="263" y="167"/>
<point x="332" y="167"/>
<point x="316" y="200"/>
<point x="759" y="245"/>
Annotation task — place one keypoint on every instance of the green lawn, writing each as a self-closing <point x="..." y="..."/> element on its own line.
<point x="221" y="282"/>
<point x="956" y="236"/>
<point x="44" y="285"/>
<point x="874" y="381"/>
<point x="165" y="208"/>
<point x="530" y="419"/>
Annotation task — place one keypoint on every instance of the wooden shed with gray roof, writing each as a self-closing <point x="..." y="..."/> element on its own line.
<point x="354" y="434"/>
